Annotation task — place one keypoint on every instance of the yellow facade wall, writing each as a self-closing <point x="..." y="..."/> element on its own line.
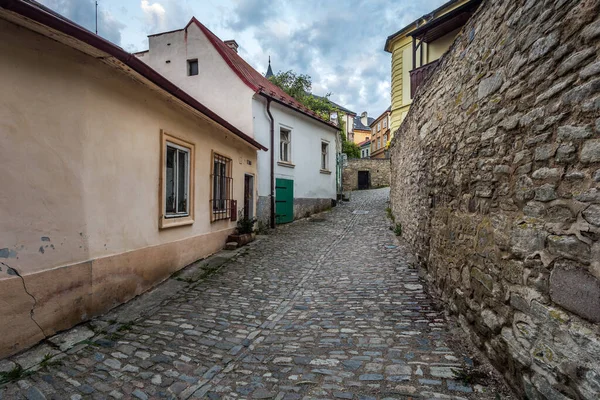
<point x="79" y="206"/>
<point x="402" y="64"/>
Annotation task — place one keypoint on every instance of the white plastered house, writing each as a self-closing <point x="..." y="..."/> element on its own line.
<point x="297" y="175"/>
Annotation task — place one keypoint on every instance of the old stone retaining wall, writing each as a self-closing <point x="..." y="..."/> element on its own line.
<point x="496" y="181"/>
<point x="379" y="171"/>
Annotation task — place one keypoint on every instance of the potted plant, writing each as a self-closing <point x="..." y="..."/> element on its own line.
<point x="245" y="231"/>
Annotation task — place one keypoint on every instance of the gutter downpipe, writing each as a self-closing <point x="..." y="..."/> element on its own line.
<point x="272" y="123"/>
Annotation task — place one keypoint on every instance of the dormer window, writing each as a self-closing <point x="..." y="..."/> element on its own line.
<point x="192" y="67"/>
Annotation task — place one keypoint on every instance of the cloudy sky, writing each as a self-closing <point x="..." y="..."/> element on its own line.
<point x="339" y="43"/>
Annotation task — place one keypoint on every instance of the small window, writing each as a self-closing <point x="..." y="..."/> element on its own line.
<point x="222" y="184"/>
<point x="378" y="143"/>
<point x="378" y="126"/>
<point x="385" y="123"/>
<point x="192" y="67"/>
<point x="178" y="181"/>
<point x="177" y="176"/>
<point x="285" y="145"/>
<point x="385" y="139"/>
<point x="324" y="156"/>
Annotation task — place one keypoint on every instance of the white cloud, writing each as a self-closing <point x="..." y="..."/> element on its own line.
<point x="154" y="13"/>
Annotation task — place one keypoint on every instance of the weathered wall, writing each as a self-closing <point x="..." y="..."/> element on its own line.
<point x="379" y="170"/>
<point x="496" y="182"/>
<point x="79" y="205"/>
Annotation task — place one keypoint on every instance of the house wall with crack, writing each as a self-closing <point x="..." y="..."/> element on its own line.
<point x="79" y="199"/>
<point x="496" y="182"/>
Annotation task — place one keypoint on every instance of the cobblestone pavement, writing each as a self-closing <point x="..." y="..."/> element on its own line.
<point x="328" y="307"/>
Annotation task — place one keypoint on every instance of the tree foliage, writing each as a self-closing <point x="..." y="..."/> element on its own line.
<point x="299" y="86"/>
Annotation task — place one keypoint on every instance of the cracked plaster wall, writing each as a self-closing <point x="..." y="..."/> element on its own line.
<point x="80" y="162"/>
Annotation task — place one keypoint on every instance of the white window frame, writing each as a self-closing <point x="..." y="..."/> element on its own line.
<point x="288" y="153"/>
<point x="187" y="151"/>
<point x="378" y="126"/>
<point x="325" y="156"/>
<point x="385" y="123"/>
<point x="179" y="217"/>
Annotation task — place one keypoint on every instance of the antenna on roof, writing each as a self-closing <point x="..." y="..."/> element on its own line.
<point x="96" y="18"/>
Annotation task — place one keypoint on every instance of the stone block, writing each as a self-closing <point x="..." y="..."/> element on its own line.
<point x="590" y="152"/>
<point x="544" y="152"/>
<point x="569" y="132"/>
<point x="547" y="173"/>
<point x="576" y="290"/>
<point x="489" y="86"/>
<point x="543" y="46"/>
<point x="592" y="214"/>
<point x="569" y="246"/>
<point x="485" y="279"/>
<point x="590" y="70"/>
<point x="526" y="239"/>
<point x="545" y="193"/>
<point x="575" y="60"/>
<point x="565" y="153"/>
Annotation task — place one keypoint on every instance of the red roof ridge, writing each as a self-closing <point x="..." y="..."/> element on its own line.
<point x="251" y="77"/>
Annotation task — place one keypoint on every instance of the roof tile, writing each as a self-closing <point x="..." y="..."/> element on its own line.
<point x="251" y="77"/>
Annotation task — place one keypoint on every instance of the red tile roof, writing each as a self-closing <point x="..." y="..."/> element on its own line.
<point x="364" y="142"/>
<point x="252" y="78"/>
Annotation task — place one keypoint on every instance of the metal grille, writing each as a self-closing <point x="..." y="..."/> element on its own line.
<point x="222" y="189"/>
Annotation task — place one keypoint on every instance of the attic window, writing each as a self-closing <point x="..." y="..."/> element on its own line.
<point x="192" y="67"/>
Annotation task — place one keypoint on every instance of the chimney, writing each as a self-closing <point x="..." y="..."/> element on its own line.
<point x="232" y="44"/>
<point x="363" y="118"/>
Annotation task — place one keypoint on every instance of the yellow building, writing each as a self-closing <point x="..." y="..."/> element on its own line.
<point x="381" y="135"/>
<point x="417" y="47"/>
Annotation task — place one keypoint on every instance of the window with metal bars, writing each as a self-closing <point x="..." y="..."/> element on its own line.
<point x="222" y="188"/>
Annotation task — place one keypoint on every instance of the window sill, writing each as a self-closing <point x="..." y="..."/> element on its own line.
<point x="286" y="164"/>
<point x="326" y="171"/>
<point x="166" y="223"/>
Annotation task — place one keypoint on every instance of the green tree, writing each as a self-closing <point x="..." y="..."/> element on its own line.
<point x="299" y="86"/>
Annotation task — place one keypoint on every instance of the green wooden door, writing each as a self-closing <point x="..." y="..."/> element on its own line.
<point x="284" y="201"/>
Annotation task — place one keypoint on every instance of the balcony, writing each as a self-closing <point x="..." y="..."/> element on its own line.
<point x="419" y="75"/>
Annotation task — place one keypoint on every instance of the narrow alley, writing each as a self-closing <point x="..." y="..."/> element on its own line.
<point x="327" y="307"/>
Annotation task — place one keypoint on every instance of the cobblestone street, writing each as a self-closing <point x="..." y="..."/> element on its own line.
<point x="327" y="307"/>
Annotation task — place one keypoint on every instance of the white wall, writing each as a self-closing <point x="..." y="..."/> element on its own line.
<point x="306" y="138"/>
<point x="216" y="85"/>
<point x="219" y="88"/>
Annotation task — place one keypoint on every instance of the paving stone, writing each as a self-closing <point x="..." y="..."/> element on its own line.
<point x="139" y="394"/>
<point x="313" y="311"/>
<point x="70" y="338"/>
<point x="34" y="393"/>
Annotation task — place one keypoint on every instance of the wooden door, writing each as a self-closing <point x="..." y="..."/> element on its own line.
<point x="284" y="201"/>
<point x="249" y="196"/>
<point x="363" y="180"/>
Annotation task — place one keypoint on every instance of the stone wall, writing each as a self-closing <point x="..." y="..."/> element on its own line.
<point x="379" y="172"/>
<point x="496" y="182"/>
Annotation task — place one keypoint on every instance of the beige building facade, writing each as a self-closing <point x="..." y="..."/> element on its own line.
<point x="108" y="183"/>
